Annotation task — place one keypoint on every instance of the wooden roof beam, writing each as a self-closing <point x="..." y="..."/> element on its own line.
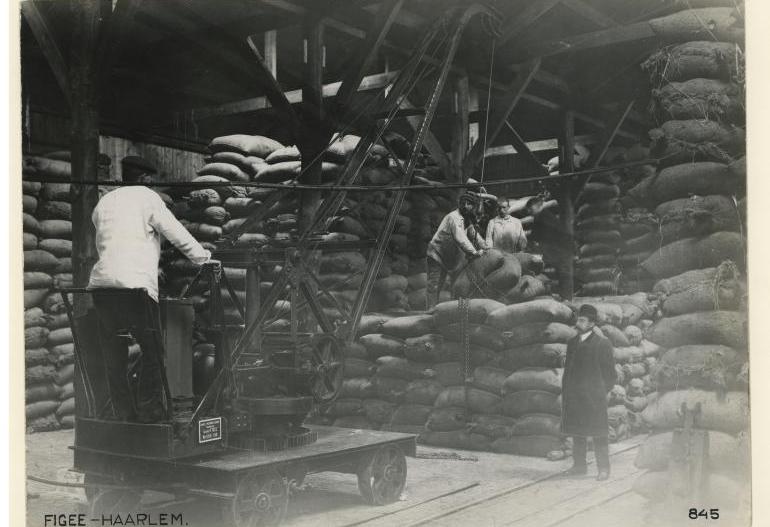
<point x="521" y="147"/>
<point x="48" y="45"/>
<point x="604" y="37"/>
<point x="542" y="145"/>
<point x="370" y="82"/>
<point x="275" y="93"/>
<point x="374" y="82"/>
<point x="589" y="12"/>
<point x="498" y="118"/>
<point x="613" y="133"/>
<point x="430" y="142"/>
<point x="367" y="52"/>
<point x="516" y="24"/>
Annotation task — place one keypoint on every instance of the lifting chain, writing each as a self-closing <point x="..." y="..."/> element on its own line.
<point x="463" y="305"/>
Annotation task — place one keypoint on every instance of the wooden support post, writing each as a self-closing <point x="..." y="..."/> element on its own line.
<point x="312" y="142"/>
<point x="461" y="126"/>
<point x="271" y="52"/>
<point x="473" y="106"/>
<point x="565" y="267"/>
<point x="84" y="137"/>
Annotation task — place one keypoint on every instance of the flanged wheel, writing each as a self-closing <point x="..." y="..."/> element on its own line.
<point x="328" y="363"/>
<point x="382" y="477"/>
<point x="260" y="500"/>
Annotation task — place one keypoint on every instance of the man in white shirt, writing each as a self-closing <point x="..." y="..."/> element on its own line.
<point x="449" y="247"/>
<point x="130" y="222"/>
<point x="505" y="233"/>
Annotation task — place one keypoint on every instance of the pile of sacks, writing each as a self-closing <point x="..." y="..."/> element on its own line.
<point x="690" y="213"/>
<point x="212" y="213"/>
<point x="49" y="348"/>
<point x="692" y="257"/>
<point x="415" y="367"/>
<point x="605" y="230"/>
<point x="409" y="373"/>
<point x="506" y="277"/>
<point x="402" y="278"/>
<point x="706" y="362"/>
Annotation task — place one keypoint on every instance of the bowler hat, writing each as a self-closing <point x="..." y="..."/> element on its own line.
<point x="588" y="311"/>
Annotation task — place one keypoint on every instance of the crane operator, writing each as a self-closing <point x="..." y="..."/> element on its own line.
<point x="130" y="222"/>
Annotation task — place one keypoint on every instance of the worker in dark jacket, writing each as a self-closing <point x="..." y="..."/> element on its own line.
<point x="589" y="374"/>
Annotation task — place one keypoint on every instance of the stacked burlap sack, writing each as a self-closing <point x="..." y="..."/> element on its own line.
<point x="401" y="280"/>
<point x="597" y="235"/>
<point x="215" y="213"/>
<point x="605" y="229"/>
<point x="211" y="214"/>
<point x="363" y="218"/>
<point x="408" y="373"/>
<point x="688" y="214"/>
<point x="414" y="370"/>
<point x="506" y="277"/>
<point x="706" y="362"/>
<point x="49" y="348"/>
<point x="464" y="415"/>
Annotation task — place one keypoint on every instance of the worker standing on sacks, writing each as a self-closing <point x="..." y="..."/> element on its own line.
<point x="450" y="246"/>
<point x="129" y="224"/>
<point x="589" y="375"/>
<point x="505" y="233"/>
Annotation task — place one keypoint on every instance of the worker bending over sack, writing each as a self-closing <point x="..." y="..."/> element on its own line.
<point x="450" y="246"/>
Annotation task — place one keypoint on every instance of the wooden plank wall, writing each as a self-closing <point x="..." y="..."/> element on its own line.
<point x="46" y="132"/>
<point x="172" y="164"/>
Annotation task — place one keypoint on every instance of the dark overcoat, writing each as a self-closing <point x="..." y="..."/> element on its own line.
<point x="589" y="374"/>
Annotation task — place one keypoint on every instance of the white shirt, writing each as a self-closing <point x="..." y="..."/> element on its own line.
<point x="129" y="222"/>
<point x="450" y="243"/>
<point x="585" y="335"/>
<point x="506" y="234"/>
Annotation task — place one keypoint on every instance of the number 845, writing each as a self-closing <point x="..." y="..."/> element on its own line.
<point x="712" y="514"/>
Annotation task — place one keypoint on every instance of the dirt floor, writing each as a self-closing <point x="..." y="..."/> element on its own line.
<point x="444" y="488"/>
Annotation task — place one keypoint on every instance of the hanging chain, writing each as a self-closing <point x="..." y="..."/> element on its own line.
<point x="464" y="307"/>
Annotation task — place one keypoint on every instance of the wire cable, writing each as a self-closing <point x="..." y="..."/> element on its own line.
<point x="486" y="119"/>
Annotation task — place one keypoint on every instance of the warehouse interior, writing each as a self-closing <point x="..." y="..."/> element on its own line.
<point x="315" y="147"/>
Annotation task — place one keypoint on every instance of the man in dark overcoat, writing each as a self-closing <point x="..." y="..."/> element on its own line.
<point x="589" y="374"/>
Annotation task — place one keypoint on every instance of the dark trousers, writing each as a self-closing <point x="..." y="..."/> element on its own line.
<point x="120" y="315"/>
<point x="601" y="450"/>
<point x="437" y="275"/>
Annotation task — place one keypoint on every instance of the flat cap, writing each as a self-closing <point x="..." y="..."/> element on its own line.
<point x="138" y="162"/>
